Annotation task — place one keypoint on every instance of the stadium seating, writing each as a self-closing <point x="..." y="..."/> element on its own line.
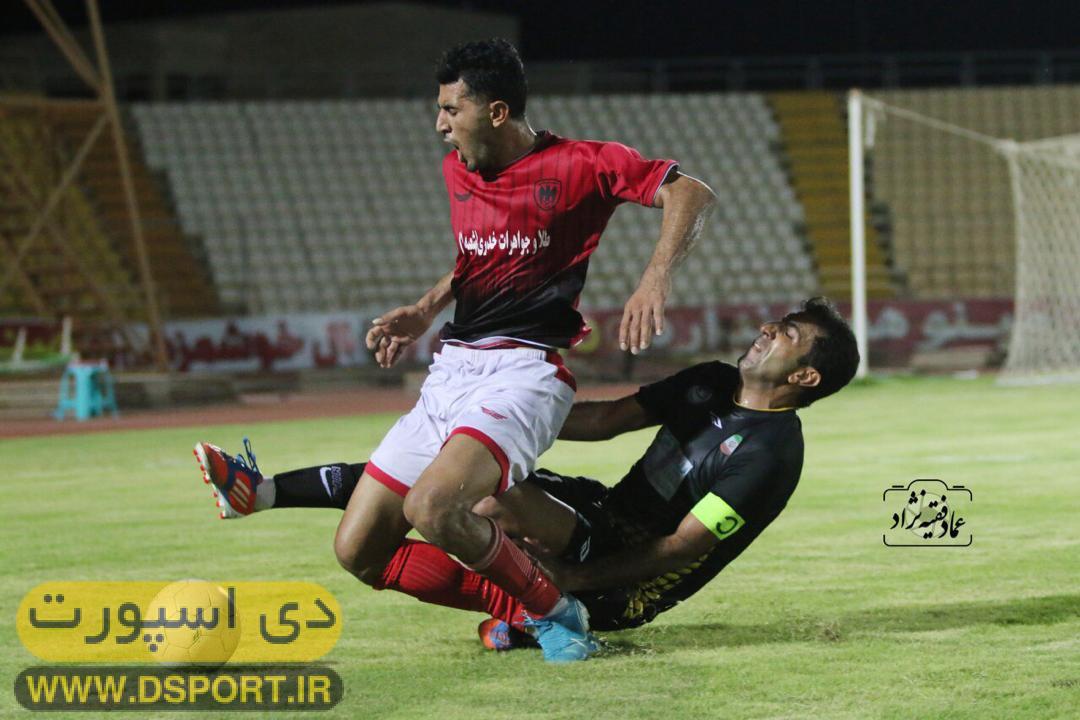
<point x="949" y="198"/>
<point x="71" y="267"/>
<point x="751" y="251"/>
<point x="815" y="146"/>
<point x="314" y="206"/>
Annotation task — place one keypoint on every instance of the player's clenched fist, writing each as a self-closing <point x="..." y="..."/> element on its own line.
<point x="395" y="330"/>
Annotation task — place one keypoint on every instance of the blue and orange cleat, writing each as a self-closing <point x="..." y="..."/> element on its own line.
<point x="564" y="635"/>
<point x="235" y="479"/>
<point x="500" y="635"/>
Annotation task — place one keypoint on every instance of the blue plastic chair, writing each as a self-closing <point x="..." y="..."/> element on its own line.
<point x="87" y="390"/>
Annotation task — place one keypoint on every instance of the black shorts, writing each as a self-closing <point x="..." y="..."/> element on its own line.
<point x="612" y="608"/>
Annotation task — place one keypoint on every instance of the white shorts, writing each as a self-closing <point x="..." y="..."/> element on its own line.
<point x="512" y="400"/>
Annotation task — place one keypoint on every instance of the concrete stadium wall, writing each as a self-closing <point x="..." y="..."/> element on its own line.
<point x="392" y="46"/>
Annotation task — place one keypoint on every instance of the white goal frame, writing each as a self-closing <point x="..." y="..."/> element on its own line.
<point x="1062" y="153"/>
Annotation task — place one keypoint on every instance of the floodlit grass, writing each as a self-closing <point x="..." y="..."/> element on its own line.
<point x="817" y="619"/>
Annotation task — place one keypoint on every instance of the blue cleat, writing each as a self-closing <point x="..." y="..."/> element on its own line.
<point x="564" y="636"/>
<point x="235" y="479"/>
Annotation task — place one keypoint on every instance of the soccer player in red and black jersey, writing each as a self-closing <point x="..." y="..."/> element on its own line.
<point x="527" y="211"/>
<point x="726" y="457"/>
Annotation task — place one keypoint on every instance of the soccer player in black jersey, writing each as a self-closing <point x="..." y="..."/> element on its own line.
<point x="725" y="460"/>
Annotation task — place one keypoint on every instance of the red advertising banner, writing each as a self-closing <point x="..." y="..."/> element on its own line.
<point x="897" y="330"/>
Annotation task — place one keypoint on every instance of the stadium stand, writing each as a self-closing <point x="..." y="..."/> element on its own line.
<point x="184" y="288"/>
<point x="752" y="250"/>
<point x="71" y="268"/>
<point x="815" y="145"/>
<point x="84" y="263"/>
<point x="949" y="199"/>
<point x="314" y="206"/>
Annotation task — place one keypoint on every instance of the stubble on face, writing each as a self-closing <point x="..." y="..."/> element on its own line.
<point x="461" y="123"/>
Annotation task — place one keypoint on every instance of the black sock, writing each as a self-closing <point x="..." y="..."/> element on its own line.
<point x="322" y="486"/>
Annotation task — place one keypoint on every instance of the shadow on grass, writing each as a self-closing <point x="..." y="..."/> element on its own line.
<point x="805" y="628"/>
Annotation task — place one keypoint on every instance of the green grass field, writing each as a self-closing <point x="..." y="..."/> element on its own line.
<point x="817" y="619"/>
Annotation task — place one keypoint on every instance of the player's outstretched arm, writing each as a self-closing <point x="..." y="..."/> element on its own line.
<point x="670" y="553"/>
<point x="403" y="326"/>
<point x="687" y="203"/>
<point x="604" y="419"/>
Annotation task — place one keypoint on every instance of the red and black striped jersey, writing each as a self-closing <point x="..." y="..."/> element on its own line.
<point x="524" y="235"/>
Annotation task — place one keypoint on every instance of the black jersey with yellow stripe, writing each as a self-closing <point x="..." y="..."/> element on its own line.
<point x="734" y="468"/>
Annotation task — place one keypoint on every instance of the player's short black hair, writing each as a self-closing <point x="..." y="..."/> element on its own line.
<point x="491" y="69"/>
<point x="834" y="354"/>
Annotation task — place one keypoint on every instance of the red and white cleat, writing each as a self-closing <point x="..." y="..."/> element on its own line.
<point x="235" y="479"/>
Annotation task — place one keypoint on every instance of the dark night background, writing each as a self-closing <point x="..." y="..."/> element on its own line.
<point x="569" y="29"/>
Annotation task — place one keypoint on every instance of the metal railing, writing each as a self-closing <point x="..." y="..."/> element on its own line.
<point x="646" y="75"/>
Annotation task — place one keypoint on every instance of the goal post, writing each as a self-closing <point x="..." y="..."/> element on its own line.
<point x="856" y="176"/>
<point x="1042" y="181"/>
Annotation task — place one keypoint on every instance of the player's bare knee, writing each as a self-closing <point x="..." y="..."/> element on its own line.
<point x="422" y="509"/>
<point x="350" y="556"/>
<point x="365" y="572"/>
<point x="432" y="514"/>
<point x="371" y="575"/>
<point x="346" y="552"/>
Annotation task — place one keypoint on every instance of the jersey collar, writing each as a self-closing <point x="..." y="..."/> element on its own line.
<point x="760" y="410"/>
<point x="543" y="140"/>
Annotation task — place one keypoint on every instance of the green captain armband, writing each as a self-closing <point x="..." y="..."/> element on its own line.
<point x="717" y="515"/>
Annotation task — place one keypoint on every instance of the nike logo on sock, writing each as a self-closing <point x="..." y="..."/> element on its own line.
<point x="325" y="481"/>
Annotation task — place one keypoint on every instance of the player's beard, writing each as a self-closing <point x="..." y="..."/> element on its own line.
<point x="473" y="160"/>
<point x="470" y="163"/>
<point x="479" y="157"/>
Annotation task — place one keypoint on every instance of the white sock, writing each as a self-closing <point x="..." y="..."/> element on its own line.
<point x="265" y="494"/>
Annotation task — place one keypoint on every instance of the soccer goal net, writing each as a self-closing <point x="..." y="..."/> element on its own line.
<point x="974" y="213"/>
<point x="1045" y="343"/>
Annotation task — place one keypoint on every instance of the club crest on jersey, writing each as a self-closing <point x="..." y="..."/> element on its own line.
<point x="546" y="192"/>
<point x="728" y="446"/>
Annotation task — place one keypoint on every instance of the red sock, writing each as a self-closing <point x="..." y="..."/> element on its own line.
<point x="509" y="567"/>
<point x="425" y="572"/>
